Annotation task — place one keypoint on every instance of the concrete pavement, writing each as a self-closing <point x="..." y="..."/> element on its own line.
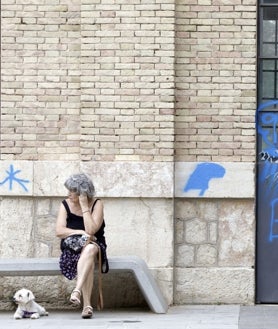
<point x="178" y="317"/>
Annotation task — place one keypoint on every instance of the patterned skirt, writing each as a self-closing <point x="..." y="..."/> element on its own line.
<point x="69" y="260"/>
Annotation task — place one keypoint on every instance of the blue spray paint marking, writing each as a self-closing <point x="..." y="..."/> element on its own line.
<point x="266" y="124"/>
<point x="200" y="178"/>
<point x="274" y="220"/>
<point x="12" y="178"/>
<point x="267" y="104"/>
<point x="269" y="155"/>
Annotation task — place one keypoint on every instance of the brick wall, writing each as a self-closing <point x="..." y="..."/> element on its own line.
<point x="95" y="80"/>
<point x="87" y="80"/>
<point x="40" y="80"/>
<point x="127" y="80"/>
<point x="215" y="80"/>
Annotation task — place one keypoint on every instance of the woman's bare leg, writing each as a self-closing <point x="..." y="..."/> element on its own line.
<point x="85" y="272"/>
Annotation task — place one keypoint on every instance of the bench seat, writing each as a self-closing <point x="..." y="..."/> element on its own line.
<point x="50" y="266"/>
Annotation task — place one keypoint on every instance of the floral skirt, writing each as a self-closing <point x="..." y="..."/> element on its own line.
<point x="69" y="260"/>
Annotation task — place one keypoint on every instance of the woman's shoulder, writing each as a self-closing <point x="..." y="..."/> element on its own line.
<point x="97" y="202"/>
<point x="65" y="204"/>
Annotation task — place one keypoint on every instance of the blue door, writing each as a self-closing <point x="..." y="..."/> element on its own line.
<point x="267" y="205"/>
<point x="267" y="154"/>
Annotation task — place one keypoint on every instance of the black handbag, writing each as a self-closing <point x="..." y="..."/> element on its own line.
<point x="75" y="242"/>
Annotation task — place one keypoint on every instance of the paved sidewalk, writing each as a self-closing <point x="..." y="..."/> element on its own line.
<point x="258" y="317"/>
<point x="178" y="317"/>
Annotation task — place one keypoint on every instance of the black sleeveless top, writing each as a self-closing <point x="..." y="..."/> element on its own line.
<point x="76" y="222"/>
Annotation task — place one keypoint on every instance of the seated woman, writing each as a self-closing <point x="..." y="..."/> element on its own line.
<point x="81" y="213"/>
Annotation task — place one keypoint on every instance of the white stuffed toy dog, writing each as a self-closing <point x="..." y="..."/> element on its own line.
<point x="27" y="307"/>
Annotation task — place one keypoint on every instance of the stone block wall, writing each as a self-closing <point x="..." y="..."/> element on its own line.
<point x="139" y="221"/>
<point x="214" y="253"/>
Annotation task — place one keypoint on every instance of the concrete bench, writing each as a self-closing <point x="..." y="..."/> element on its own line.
<point x="50" y="266"/>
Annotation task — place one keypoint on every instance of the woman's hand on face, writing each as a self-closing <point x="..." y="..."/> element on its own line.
<point x="83" y="200"/>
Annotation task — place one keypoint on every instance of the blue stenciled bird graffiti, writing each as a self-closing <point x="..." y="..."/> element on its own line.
<point x="201" y="176"/>
<point x="12" y="178"/>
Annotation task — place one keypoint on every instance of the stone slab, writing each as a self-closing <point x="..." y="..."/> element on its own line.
<point x="111" y="179"/>
<point x="132" y="179"/>
<point x="214" y="180"/>
<point x="214" y="285"/>
<point x="16" y="178"/>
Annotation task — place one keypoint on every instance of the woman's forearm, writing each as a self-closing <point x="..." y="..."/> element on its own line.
<point x="65" y="232"/>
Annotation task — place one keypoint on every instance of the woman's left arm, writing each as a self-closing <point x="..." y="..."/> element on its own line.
<point x="92" y="221"/>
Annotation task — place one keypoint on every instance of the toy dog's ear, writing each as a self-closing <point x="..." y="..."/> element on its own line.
<point x="30" y="295"/>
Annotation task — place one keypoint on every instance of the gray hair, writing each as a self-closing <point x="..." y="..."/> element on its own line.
<point x="80" y="184"/>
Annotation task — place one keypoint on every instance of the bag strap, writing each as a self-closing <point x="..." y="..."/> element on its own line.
<point x="100" y="295"/>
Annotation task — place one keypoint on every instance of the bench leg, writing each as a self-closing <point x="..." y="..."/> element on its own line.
<point x="146" y="282"/>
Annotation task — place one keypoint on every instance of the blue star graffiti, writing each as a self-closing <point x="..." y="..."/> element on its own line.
<point x="267" y="128"/>
<point x="12" y="178"/>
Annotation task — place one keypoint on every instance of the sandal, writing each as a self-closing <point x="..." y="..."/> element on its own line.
<point x="73" y="298"/>
<point x="87" y="312"/>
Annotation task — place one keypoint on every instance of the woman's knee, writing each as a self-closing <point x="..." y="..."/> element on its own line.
<point x="90" y="250"/>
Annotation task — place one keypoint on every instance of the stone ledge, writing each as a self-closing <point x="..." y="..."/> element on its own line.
<point x="131" y="179"/>
<point x="215" y="180"/>
<point x="111" y="179"/>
